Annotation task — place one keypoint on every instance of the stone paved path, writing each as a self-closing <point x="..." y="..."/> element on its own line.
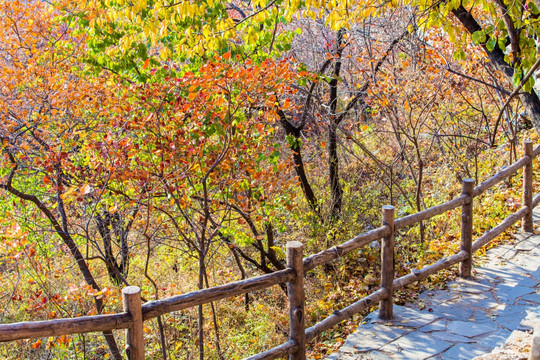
<point x="469" y="319"/>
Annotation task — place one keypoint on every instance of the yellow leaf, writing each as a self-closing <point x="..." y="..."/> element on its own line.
<point x="279" y="251"/>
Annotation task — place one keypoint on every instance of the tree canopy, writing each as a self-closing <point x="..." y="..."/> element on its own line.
<point x="180" y="144"/>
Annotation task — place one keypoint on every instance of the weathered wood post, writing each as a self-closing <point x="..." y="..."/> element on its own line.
<point x="295" y="291"/>
<point x="386" y="309"/>
<point x="527" y="223"/>
<point x="131" y="296"/>
<point x="465" y="266"/>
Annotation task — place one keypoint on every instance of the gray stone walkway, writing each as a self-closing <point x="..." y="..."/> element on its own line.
<point x="469" y="319"/>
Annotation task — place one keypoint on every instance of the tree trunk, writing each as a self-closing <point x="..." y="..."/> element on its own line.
<point x="337" y="191"/>
<point x="530" y="101"/>
<point x="299" y="168"/>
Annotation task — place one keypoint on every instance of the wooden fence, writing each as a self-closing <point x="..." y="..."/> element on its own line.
<point x="136" y="313"/>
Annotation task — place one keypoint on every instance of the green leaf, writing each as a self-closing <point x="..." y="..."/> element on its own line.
<point x="490" y="45"/>
<point x="479" y="37"/>
<point x="529" y="84"/>
<point x="293" y="141"/>
<point x="502" y="43"/>
<point x="533" y="8"/>
<point x="516" y="78"/>
<point x="460" y="54"/>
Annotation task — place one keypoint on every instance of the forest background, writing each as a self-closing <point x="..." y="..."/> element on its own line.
<point x="177" y="145"/>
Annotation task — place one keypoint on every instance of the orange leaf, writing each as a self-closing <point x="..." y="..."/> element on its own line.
<point x="287" y="104"/>
<point x="227" y="55"/>
<point x="36" y="344"/>
<point x="146" y="62"/>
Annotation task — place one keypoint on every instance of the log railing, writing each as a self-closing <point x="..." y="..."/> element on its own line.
<point x="135" y="314"/>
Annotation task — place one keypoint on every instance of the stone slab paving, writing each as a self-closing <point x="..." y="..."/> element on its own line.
<point x="469" y="319"/>
<point x="517" y="347"/>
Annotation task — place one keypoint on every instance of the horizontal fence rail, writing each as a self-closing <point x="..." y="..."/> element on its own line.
<point x="338" y="251"/>
<point x="156" y="308"/>
<point x="78" y="325"/>
<point x="135" y="314"/>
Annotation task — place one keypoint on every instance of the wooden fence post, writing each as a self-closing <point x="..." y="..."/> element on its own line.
<point x="465" y="266"/>
<point x="527" y="223"/>
<point x="295" y="292"/>
<point x="386" y="310"/>
<point x="131" y="296"/>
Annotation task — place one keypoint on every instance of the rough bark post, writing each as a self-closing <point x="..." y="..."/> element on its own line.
<point x="295" y="291"/>
<point x="386" y="311"/>
<point x="131" y="296"/>
<point x="466" y="228"/>
<point x="527" y="224"/>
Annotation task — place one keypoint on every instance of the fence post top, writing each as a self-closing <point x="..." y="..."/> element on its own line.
<point x="294" y="244"/>
<point x="467" y="187"/>
<point x="130" y="290"/>
<point x="388" y="207"/>
<point x="527" y="141"/>
<point x="528" y="147"/>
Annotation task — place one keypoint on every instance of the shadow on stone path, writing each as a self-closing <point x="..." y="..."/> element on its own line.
<point x="469" y="319"/>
